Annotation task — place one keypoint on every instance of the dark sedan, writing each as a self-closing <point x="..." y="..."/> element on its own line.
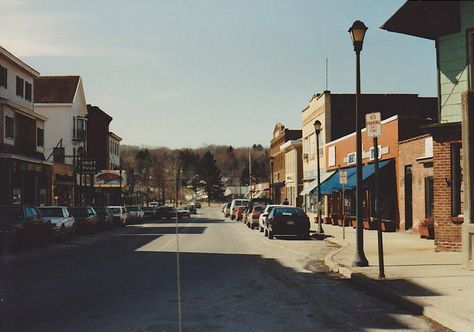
<point x="105" y="218"/>
<point x="287" y="221"/>
<point x="165" y="212"/>
<point x="148" y="212"/>
<point x="21" y="225"/>
<point x="85" y="217"/>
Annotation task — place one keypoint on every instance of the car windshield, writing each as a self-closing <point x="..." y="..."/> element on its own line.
<point x="114" y="210"/>
<point x="288" y="211"/>
<point x="132" y="208"/>
<point x="78" y="212"/>
<point x="148" y="209"/>
<point x="51" y="212"/>
<point x="101" y="211"/>
<point x="258" y="208"/>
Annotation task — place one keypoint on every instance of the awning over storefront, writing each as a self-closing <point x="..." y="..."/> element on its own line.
<point x="314" y="184"/>
<point x="333" y="185"/>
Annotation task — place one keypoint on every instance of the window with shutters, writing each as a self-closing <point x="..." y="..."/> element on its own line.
<point x="3" y="77"/>
<point x="28" y="91"/>
<point x="20" y="86"/>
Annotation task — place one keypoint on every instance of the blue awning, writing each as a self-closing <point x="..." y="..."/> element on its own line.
<point x="314" y="184"/>
<point x="332" y="184"/>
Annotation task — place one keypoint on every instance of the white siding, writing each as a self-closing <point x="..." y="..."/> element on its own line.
<point x="10" y="92"/>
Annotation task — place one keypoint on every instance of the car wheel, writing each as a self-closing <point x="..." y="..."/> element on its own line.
<point x="265" y="232"/>
<point x="270" y="235"/>
<point x="260" y="228"/>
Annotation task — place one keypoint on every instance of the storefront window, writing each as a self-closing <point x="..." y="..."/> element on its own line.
<point x="43" y="197"/>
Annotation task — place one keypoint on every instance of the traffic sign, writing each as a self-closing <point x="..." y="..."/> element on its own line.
<point x="373" y="124"/>
<point x="343" y="177"/>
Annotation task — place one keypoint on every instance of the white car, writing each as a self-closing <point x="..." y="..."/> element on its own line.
<point x="59" y="217"/>
<point x="135" y="212"/>
<point x="154" y="204"/>
<point x="236" y="203"/>
<point x="263" y="216"/>
<point x="120" y="214"/>
<point x="226" y="210"/>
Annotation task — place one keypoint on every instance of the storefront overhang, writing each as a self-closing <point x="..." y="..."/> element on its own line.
<point x="426" y="19"/>
<point x="333" y="183"/>
<point x="314" y="184"/>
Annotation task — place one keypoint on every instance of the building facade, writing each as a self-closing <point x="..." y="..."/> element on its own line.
<point x="336" y="113"/>
<point x="114" y="151"/>
<point x="25" y="175"/>
<point x="62" y="100"/>
<point x="293" y="150"/>
<point x="281" y="135"/>
<point x="451" y="26"/>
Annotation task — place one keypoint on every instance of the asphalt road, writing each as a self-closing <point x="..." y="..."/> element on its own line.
<point x="232" y="279"/>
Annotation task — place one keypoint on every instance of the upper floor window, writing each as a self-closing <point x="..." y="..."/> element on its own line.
<point x="3" y="76"/>
<point x="9" y="127"/>
<point x="79" y="128"/>
<point x="40" y="137"/>
<point x="20" y="86"/>
<point x="372" y="153"/>
<point x="28" y="91"/>
<point x="351" y="158"/>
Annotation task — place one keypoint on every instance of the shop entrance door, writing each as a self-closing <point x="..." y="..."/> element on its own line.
<point x="408" y="198"/>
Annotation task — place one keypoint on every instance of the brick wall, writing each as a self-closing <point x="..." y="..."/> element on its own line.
<point x="409" y="151"/>
<point x="447" y="231"/>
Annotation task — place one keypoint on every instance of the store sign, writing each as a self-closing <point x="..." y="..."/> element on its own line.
<point x="110" y="179"/>
<point x="87" y="167"/>
<point x="373" y="124"/>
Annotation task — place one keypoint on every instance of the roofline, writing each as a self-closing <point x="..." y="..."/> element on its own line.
<point x="52" y="104"/>
<point x="19" y="62"/>
<point x="115" y="136"/>
<point x="23" y="110"/>
<point x="390" y="119"/>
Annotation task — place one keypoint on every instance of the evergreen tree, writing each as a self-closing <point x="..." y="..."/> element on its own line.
<point x="210" y="176"/>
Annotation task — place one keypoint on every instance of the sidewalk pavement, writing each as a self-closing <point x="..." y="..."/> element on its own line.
<point x="423" y="281"/>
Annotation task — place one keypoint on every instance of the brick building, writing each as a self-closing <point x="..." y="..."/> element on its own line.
<point x="415" y="181"/>
<point x="281" y="135"/>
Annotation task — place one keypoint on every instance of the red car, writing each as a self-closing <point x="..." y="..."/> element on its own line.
<point x="239" y="214"/>
<point x="252" y="217"/>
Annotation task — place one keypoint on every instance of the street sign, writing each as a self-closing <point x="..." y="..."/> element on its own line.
<point x="373" y="124"/>
<point x="343" y="177"/>
<point x="86" y="167"/>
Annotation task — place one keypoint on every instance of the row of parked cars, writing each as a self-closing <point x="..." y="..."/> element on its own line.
<point x="270" y="219"/>
<point x="25" y="225"/>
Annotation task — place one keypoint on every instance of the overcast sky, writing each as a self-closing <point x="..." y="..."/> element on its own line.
<point x="187" y="73"/>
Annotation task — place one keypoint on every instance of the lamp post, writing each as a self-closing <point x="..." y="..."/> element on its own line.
<point x="357" y="33"/>
<point x="272" y="159"/>
<point x="317" y="131"/>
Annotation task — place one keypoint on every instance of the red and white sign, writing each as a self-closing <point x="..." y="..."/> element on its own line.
<point x="373" y="124"/>
<point x="342" y="177"/>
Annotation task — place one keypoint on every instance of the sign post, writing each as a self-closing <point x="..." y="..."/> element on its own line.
<point x="374" y="129"/>
<point x="343" y="181"/>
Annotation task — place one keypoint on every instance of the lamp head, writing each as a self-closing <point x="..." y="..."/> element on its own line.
<point x="357" y="33"/>
<point x="317" y="126"/>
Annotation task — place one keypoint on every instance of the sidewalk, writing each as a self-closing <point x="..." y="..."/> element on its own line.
<point x="423" y="281"/>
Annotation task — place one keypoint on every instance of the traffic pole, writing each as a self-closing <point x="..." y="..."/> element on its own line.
<point x="377" y="209"/>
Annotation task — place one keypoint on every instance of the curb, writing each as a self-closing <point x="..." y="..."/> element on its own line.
<point x="412" y="305"/>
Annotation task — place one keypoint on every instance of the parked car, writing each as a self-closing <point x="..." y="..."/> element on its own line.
<point x="85" y="219"/>
<point x="21" y="225"/>
<point x="105" y="218"/>
<point x="227" y="210"/>
<point x="184" y="212"/>
<point x="263" y="216"/>
<point x="154" y="204"/>
<point x="223" y="207"/>
<point x="62" y="223"/>
<point x="167" y="212"/>
<point x="197" y="204"/>
<point x="148" y="212"/>
<point x="191" y="208"/>
<point x="235" y="204"/>
<point x="119" y="214"/>
<point x="253" y="202"/>
<point x="135" y="213"/>
<point x="252" y="217"/>
<point x="240" y="213"/>
<point x="287" y="221"/>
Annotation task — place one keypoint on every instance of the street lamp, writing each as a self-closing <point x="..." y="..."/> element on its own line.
<point x="317" y="131"/>
<point x="272" y="159"/>
<point x="357" y="33"/>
